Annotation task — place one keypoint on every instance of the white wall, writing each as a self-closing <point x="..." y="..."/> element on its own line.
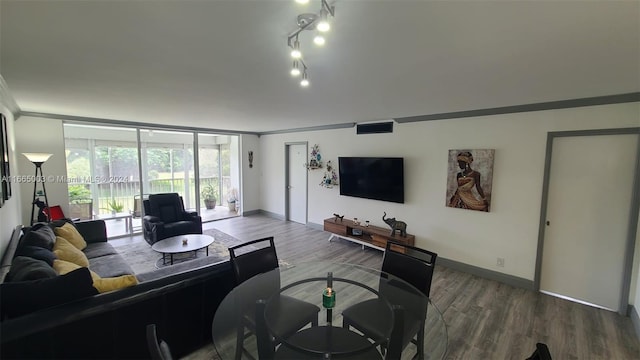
<point x="250" y="194"/>
<point x="11" y="209"/>
<point x="46" y="136"/>
<point x="509" y="231"/>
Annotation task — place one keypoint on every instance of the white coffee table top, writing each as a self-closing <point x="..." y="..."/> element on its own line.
<point x="174" y="244"/>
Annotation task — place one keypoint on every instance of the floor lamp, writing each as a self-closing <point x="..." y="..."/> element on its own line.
<point x="38" y="159"/>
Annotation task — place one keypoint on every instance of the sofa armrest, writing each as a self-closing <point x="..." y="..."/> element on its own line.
<point x="93" y="231"/>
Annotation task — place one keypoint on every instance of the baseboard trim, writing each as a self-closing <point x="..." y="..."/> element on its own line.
<point x="251" y="212"/>
<point x="470" y="269"/>
<point x="272" y="214"/>
<point x="487" y="274"/>
<point x="635" y="319"/>
<point x="316" y="226"/>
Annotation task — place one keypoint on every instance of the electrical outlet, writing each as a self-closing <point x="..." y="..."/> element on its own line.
<point x="500" y="262"/>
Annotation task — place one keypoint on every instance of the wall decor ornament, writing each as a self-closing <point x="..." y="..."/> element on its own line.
<point x="470" y="176"/>
<point x="250" y="158"/>
<point x="330" y="178"/>
<point x="315" y="159"/>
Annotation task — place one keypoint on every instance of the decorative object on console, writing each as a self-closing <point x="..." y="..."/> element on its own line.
<point x="330" y="178"/>
<point x="337" y="216"/>
<point x="371" y="236"/>
<point x="308" y="21"/>
<point x="38" y="159"/>
<point x="315" y="159"/>
<point x="467" y="187"/>
<point x="395" y="225"/>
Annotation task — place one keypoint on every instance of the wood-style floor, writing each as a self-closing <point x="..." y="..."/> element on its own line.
<point x="485" y="319"/>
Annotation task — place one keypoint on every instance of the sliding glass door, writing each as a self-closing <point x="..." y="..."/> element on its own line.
<point x="112" y="169"/>
<point x="167" y="164"/>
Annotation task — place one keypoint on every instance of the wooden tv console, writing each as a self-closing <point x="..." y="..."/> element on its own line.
<point x="372" y="236"/>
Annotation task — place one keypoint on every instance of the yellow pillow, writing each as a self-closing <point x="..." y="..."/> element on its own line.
<point x="71" y="234"/>
<point x="102" y="284"/>
<point x="114" y="283"/>
<point x="67" y="252"/>
<point x="63" y="267"/>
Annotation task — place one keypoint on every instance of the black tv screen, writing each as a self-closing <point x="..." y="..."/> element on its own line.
<point x="378" y="178"/>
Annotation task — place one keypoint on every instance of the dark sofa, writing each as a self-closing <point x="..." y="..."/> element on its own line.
<point x="112" y="324"/>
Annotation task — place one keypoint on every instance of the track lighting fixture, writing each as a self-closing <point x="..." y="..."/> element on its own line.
<point x="309" y="21"/>
<point x="295" y="71"/>
<point x="305" y="80"/>
<point x="319" y="40"/>
<point x="295" y="53"/>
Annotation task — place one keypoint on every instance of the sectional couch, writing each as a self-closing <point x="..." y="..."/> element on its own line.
<point x="67" y="317"/>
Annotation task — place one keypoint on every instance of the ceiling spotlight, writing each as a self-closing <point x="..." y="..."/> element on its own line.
<point x="319" y="40"/>
<point x="295" y="71"/>
<point x="295" y="53"/>
<point x="305" y="81"/>
<point x="323" y="24"/>
<point x="302" y="1"/>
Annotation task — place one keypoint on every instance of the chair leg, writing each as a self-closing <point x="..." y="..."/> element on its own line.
<point x="239" y="342"/>
<point x="420" y="344"/>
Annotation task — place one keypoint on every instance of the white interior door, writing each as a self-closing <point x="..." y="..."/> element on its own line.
<point x="297" y="183"/>
<point x="590" y="188"/>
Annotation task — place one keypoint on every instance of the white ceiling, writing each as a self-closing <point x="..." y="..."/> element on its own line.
<point x="225" y="64"/>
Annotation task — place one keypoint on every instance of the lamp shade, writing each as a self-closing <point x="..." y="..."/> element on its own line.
<point x="37" y="157"/>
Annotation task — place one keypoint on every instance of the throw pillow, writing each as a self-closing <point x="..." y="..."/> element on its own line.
<point x="114" y="283"/>
<point x="41" y="235"/>
<point x="36" y="252"/>
<point x="101" y="284"/>
<point x="65" y="251"/>
<point x="71" y="234"/>
<point x="20" y="298"/>
<point x="25" y="268"/>
<point x="64" y="267"/>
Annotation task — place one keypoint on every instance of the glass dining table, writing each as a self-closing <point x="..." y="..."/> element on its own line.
<point x="350" y="284"/>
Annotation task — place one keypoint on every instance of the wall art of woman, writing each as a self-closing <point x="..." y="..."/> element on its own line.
<point x="469" y="192"/>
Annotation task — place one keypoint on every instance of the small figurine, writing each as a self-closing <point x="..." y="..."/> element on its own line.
<point x="337" y="216"/>
<point x="395" y="225"/>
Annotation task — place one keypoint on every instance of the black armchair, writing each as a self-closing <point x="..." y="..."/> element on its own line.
<point x="165" y="217"/>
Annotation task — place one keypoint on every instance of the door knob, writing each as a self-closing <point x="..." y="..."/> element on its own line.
<point x="548" y="222"/>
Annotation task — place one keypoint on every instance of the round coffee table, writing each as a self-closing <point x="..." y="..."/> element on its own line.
<point x="177" y="244"/>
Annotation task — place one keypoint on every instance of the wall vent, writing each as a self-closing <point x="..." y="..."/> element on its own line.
<point x="374" y="128"/>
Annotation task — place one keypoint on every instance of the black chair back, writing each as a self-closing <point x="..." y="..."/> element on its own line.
<point x="168" y="207"/>
<point x="249" y="264"/>
<point x="414" y="266"/>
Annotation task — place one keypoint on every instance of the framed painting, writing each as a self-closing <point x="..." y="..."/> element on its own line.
<point x="469" y="179"/>
<point x="4" y="161"/>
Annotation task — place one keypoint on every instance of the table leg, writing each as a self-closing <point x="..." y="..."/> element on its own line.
<point x="171" y="255"/>
<point x="207" y="250"/>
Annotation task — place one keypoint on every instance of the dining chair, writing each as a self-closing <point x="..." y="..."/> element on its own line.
<point x="258" y="257"/>
<point x="158" y="349"/>
<point x="411" y="265"/>
<point x="268" y="351"/>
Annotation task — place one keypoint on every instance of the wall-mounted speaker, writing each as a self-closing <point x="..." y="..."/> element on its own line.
<point x="375" y="128"/>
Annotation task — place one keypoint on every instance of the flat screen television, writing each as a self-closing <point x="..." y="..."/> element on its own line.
<point x="378" y="178"/>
